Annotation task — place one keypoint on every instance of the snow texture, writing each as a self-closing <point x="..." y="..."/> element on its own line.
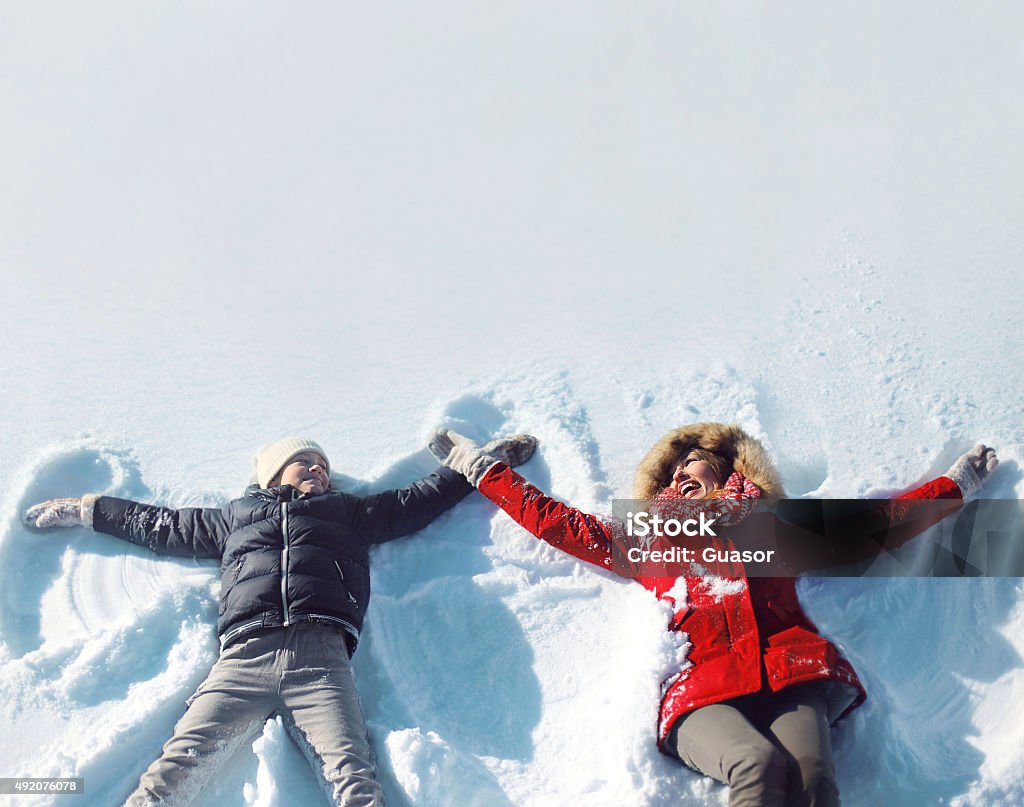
<point x="225" y="223"/>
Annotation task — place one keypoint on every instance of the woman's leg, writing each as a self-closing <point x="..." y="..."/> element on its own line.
<point x="796" y="719"/>
<point x="720" y="741"/>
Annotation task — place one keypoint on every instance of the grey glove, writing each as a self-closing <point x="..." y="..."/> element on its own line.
<point x="472" y="461"/>
<point x="62" y="513"/>
<point x="973" y="469"/>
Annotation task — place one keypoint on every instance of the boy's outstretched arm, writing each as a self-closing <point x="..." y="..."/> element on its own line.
<point x="193" y="532"/>
<point x="395" y="513"/>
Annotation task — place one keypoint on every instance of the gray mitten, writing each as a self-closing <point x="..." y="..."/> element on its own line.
<point x="512" y="451"/>
<point x="62" y="513"/>
<point x="973" y="469"/>
<point x="472" y="461"/>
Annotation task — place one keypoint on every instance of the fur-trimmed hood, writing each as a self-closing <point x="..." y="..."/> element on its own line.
<point x="727" y="440"/>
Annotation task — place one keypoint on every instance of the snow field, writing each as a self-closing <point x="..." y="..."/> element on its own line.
<point x="225" y="224"/>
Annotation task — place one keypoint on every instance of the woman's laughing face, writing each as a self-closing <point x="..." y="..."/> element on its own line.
<point x="694" y="478"/>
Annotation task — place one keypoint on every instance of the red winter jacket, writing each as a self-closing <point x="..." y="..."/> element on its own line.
<point x="747" y="636"/>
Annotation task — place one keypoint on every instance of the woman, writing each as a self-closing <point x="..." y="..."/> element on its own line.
<point x="753" y="703"/>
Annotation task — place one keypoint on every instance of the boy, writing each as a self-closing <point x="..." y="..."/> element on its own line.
<point x="295" y="582"/>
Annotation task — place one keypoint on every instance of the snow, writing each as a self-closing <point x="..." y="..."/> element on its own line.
<point x="224" y="224"/>
<point x="720" y="587"/>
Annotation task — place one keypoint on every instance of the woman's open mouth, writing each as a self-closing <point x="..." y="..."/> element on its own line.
<point x="690" y="489"/>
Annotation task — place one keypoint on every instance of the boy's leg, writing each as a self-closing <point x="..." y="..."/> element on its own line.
<point x="720" y="741"/>
<point x="318" y="695"/>
<point x="797" y="720"/>
<point x="229" y="706"/>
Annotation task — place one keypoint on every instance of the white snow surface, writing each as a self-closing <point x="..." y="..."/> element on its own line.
<point x="224" y="223"/>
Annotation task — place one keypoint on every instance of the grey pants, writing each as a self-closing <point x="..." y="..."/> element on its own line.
<point x="301" y="672"/>
<point x="772" y="750"/>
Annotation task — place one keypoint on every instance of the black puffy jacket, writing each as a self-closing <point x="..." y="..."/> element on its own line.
<point x="286" y="557"/>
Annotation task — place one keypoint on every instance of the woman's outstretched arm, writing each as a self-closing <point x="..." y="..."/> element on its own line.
<point x="815" y="534"/>
<point x="579" y="534"/>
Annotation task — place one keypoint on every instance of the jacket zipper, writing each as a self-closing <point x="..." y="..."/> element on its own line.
<point x="284" y="564"/>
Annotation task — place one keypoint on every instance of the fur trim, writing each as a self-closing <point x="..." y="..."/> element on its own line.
<point x="746" y="455"/>
<point x="87" y="507"/>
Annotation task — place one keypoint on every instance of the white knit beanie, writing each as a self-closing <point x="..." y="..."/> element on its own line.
<point x="274" y="456"/>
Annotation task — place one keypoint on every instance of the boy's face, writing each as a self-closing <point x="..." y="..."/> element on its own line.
<point x="307" y="472"/>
